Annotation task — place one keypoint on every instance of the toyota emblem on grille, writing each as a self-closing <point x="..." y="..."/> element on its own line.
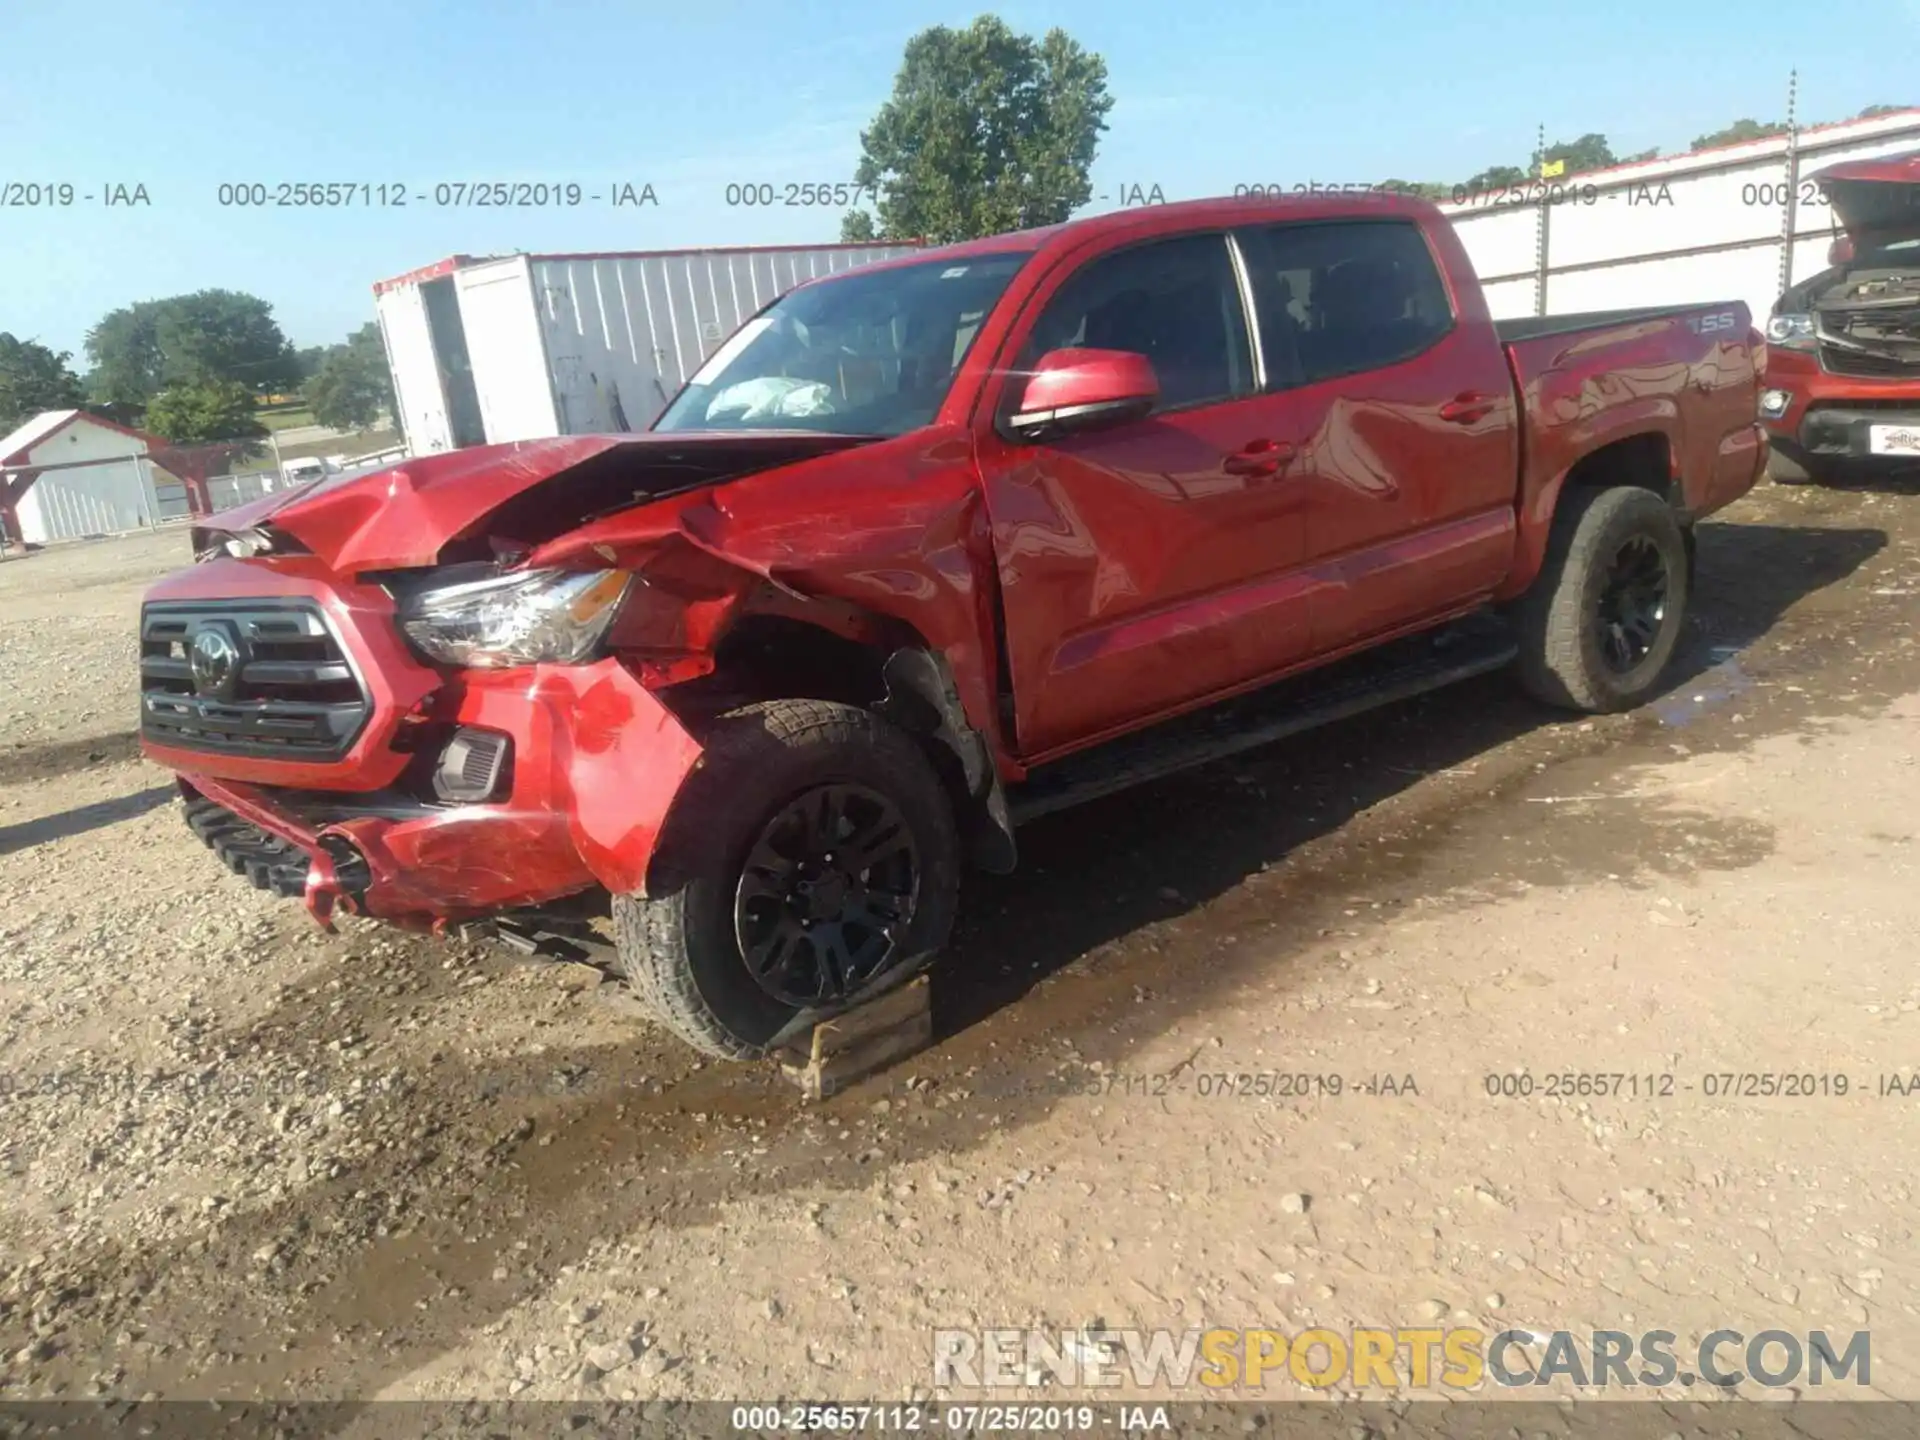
<point x="214" y="660"/>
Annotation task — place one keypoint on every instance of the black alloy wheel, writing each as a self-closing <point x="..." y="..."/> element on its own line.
<point x="826" y="895"/>
<point x="1632" y="604"/>
<point x="1604" y="616"/>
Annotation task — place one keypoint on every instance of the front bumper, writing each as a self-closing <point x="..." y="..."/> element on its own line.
<point x="1829" y="416"/>
<point x="597" y="764"/>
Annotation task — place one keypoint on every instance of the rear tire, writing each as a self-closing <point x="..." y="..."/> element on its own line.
<point x="1603" y="617"/>
<point x="776" y="777"/>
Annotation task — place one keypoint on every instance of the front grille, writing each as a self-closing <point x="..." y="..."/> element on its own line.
<point x="1866" y="363"/>
<point x="1872" y="341"/>
<point x="273" y="680"/>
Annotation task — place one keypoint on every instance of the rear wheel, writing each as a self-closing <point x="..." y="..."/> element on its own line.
<point x="810" y="864"/>
<point x="1604" y="616"/>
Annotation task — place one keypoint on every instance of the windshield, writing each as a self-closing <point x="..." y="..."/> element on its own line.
<point x="870" y="353"/>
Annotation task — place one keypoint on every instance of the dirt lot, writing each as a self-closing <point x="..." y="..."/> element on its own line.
<point x="243" y="1158"/>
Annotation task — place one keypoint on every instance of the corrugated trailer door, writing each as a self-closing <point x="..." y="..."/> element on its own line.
<point x="509" y="355"/>
<point x="417" y="392"/>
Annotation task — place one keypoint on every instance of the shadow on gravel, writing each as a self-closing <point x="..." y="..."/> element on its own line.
<point x="63" y="757"/>
<point x="1866" y="480"/>
<point x="83" y="818"/>
<point x="534" y="1160"/>
<point x="1090" y="876"/>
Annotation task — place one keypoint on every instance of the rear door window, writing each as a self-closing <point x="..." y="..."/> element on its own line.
<point x="1344" y="297"/>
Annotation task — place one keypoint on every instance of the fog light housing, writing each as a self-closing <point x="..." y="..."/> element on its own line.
<point x="473" y="767"/>
<point x="1774" y="403"/>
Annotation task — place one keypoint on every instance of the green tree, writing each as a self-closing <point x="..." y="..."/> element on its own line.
<point x="857" y="226"/>
<point x="125" y="351"/>
<point x="207" y="337"/>
<point x="1738" y="131"/>
<point x="1589" y="152"/>
<point x="986" y="130"/>
<point x="32" y="379"/>
<point x="1494" y="177"/>
<point x="224" y="335"/>
<point x="1873" y="110"/>
<point x="199" y="414"/>
<point x="1425" y="189"/>
<point x="352" y="386"/>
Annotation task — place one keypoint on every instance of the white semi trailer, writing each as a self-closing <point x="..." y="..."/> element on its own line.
<point x="522" y="346"/>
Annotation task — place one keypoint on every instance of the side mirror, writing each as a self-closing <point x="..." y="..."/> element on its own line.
<point x="1840" y="251"/>
<point x="1071" y="391"/>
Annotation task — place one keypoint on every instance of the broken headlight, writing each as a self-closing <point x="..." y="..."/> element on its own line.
<point x="530" y="617"/>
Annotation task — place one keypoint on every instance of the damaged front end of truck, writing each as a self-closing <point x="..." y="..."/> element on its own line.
<point x="1843" y="346"/>
<point x="1866" y="311"/>
<point x="472" y="687"/>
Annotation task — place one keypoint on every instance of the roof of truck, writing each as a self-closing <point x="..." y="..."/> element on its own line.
<point x="1220" y="209"/>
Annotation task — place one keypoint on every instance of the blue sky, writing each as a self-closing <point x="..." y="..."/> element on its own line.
<point x="687" y="98"/>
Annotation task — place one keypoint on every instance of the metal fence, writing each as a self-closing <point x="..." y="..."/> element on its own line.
<point x="44" y="504"/>
<point x="226" y="491"/>
<point x="1738" y="222"/>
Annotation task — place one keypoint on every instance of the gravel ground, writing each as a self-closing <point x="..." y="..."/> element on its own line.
<point x="244" y="1158"/>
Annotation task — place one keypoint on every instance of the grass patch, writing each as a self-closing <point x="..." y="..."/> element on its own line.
<point x="287" y="419"/>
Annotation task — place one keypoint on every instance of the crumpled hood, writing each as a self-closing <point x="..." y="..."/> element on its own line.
<point x="403" y="517"/>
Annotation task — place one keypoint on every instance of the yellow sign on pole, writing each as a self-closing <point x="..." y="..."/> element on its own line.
<point x="1551" y="168"/>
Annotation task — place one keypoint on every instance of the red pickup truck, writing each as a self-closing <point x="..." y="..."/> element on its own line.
<point x="922" y="551"/>
<point x="1842" y="385"/>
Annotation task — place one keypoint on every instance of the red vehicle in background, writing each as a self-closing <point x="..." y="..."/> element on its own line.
<point x="1843" y="347"/>
<point x="927" y="549"/>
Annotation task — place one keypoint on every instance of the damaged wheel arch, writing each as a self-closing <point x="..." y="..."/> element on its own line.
<point x="878" y="665"/>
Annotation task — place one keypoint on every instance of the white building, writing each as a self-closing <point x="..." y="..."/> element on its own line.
<point x="93" y="477"/>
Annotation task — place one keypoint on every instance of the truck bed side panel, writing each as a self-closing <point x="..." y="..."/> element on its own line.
<point x="1687" y="375"/>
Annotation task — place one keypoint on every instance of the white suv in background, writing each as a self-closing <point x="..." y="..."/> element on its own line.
<point x="299" y="472"/>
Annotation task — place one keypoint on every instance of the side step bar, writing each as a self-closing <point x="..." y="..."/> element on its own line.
<point x="1394" y="672"/>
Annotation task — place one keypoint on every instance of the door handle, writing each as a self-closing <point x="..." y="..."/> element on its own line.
<point x="1260" y="457"/>
<point x="1467" y="407"/>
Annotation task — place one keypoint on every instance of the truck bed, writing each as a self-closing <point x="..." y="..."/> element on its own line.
<point x="1536" y="327"/>
<point x="1682" y="374"/>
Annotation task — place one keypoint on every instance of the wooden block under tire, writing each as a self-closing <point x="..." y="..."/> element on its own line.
<point x="865" y="1041"/>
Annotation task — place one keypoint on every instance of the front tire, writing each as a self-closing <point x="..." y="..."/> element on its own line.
<point x="810" y="864"/>
<point x="1603" y="617"/>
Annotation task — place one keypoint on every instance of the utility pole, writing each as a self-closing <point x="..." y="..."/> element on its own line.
<point x="1540" y="224"/>
<point x="1790" y="205"/>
